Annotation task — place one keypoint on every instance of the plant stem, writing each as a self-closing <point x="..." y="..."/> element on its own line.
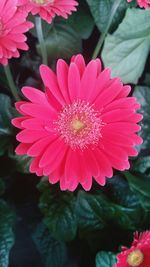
<point x="11" y="83"/>
<point x="103" y="35"/>
<point x="38" y="23"/>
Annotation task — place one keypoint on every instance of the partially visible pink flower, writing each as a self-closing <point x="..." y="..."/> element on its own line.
<point x="138" y="255"/>
<point x="13" y="25"/>
<point x="81" y="127"/>
<point x="142" y="3"/>
<point x="48" y="9"/>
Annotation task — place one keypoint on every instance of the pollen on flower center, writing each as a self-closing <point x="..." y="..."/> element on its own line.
<point x="135" y="258"/>
<point x="42" y="2"/>
<point x="79" y="124"/>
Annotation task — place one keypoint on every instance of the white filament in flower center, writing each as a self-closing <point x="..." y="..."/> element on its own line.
<point x="79" y="124"/>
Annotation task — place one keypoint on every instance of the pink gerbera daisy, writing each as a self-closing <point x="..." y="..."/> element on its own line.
<point x="142" y="3"/>
<point x="139" y="253"/>
<point x="82" y="126"/>
<point x="48" y="9"/>
<point x="13" y="25"/>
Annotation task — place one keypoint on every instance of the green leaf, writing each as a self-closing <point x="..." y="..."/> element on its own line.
<point x="105" y="259"/>
<point x="101" y="10"/>
<point x="3" y="79"/>
<point x="147" y="79"/>
<point x="20" y="163"/>
<point x="140" y="185"/>
<point x="119" y="192"/>
<point x="62" y="41"/>
<point x="95" y="211"/>
<point x="92" y="211"/>
<point x="59" y="211"/>
<point x="126" y="50"/>
<point x="7" y="219"/>
<point x="142" y="164"/>
<point x="7" y="112"/>
<point x="53" y="252"/>
<point x="142" y="93"/>
<point x="82" y="21"/>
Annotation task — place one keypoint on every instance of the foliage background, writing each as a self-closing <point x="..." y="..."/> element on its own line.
<point x="40" y="226"/>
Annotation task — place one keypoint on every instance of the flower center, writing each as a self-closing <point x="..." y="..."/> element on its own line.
<point x="42" y="2"/>
<point x="135" y="258"/>
<point x="80" y="125"/>
<point x="77" y="125"/>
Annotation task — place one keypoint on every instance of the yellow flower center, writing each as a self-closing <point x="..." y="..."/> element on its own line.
<point x="135" y="258"/>
<point x="77" y="125"/>
<point x="42" y="2"/>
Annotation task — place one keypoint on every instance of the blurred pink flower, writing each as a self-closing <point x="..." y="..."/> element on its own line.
<point x="142" y="3"/>
<point x="81" y="127"/>
<point x="138" y="255"/>
<point x="13" y="25"/>
<point x="48" y="9"/>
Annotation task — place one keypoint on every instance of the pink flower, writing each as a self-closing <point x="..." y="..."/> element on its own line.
<point x="139" y="253"/>
<point x="48" y="9"/>
<point x="13" y="25"/>
<point x="142" y="3"/>
<point x="82" y="126"/>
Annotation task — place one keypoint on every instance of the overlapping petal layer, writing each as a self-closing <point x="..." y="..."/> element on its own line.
<point x="82" y="126"/>
<point x="48" y="9"/>
<point x="13" y="25"/>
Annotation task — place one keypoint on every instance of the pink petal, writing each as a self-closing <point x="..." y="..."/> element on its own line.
<point x="62" y="78"/>
<point x="34" y="95"/>
<point x="80" y="63"/>
<point x="39" y="146"/>
<point x="88" y="80"/>
<point x="74" y="82"/>
<point x="53" y="152"/>
<point x="50" y="81"/>
<point x="22" y="149"/>
<point x="30" y="136"/>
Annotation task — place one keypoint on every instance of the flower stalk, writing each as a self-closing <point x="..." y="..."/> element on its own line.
<point x="103" y="35"/>
<point x="39" y="30"/>
<point x="11" y="82"/>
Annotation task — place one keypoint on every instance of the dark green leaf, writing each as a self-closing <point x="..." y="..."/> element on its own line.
<point x="147" y="79"/>
<point x="142" y="164"/>
<point x="7" y="112"/>
<point x="140" y="185"/>
<point x="96" y="211"/>
<point x="105" y="259"/>
<point x="119" y="192"/>
<point x="6" y="233"/>
<point x="82" y="21"/>
<point x="142" y="93"/>
<point x="126" y="51"/>
<point x="53" y="252"/>
<point x="20" y="163"/>
<point x="62" y="41"/>
<point x="3" y="79"/>
<point x="59" y="212"/>
<point x="92" y="211"/>
<point x="101" y="10"/>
